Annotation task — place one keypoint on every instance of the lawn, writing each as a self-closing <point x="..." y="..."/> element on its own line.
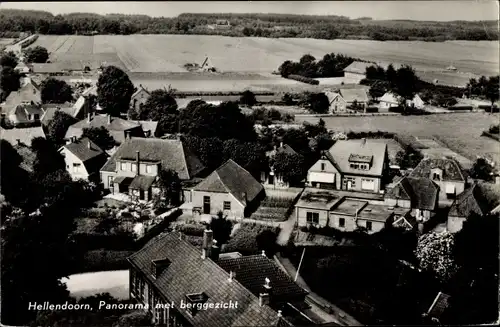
<point x="460" y="132"/>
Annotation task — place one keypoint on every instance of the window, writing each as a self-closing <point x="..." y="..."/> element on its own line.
<point x="76" y="167"/>
<point x="195" y="299"/>
<point x="436" y="177"/>
<point x="149" y="169"/>
<point x="323" y="167"/>
<point x="341" y="222"/>
<point x="369" y="225"/>
<point x="367" y="184"/>
<point x="123" y="166"/>
<point x="227" y="205"/>
<point x="110" y="180"/>
<point x="312" y="217"/>
<point x="134" y="167"/>
<point x="349" y="182"/>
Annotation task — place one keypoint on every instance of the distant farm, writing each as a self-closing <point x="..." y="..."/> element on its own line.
<point x="169" y="53"/>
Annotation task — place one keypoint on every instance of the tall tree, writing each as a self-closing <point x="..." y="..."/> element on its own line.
<point x="100" y="136"/>
<point x="492" y="89"/>
<point x="114" y="91"/>
<point x="406" y="84"/>
<point x="8" y="59"/>
<point x="160" y="103"/>
<point x="56" y="91"/>
<point x="376" y="91"/>
<point x="37" y="54"/>
<point x="9" y="80"/>
<point x="170" y="187"/>
<point x="58" y="126"/>
<point x="318" y="103"/>
<point x="249" y="155"/>
<point x="290" y="166"/>
<point x="482" y="169"/>
<point x="435" y="253"/>
<point x="247" y="98"/>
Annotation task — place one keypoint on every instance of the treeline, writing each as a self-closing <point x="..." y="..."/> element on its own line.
<point x="263" y="25"/>
<point x="331" y="65"/>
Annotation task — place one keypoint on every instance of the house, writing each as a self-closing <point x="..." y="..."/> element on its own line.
<point x="25" y="114"/>
<point x="346" y="99"/>
<point x="230" y="189"/>
<point x="355" y="72"/>
<point x="139" y="97"/>
<point x="420" y="195"/>
<point x="168" y="270"/>
<point x="118" y="128"/>
<point x="355" y="165"/>
<point x="346" y="211"/>
<point x="21" y="135"/>
<point x="26" y="95"/>
<point x="148" y="127"/>
<point x="83" y="159"/>
<point x="51" y="109"/>
<point x="446" y="173"/>
<point x="120" y="174"/>
<point x="390" y="100"/>
<point x="23" y="68"/>
<point x="270" y="178"/>
<point x="472" y="201"/>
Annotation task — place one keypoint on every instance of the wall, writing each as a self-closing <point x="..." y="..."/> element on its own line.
<point x="217" y="203"/>
<point x="140" y="98"/>
<point x="338" y="105"/>
<point x="454" y="224"/>
<point x="315" y="174"/>
<point x="351" y="78"/>
<point x="70" y="159"/>
<point x="350" y="224"/>
<point x="104" y="178"/>
<point x="301" y="216"/>
<point x="128" y="169"/>
<point x="377" y="226"/>
<point x="358" y="183"/>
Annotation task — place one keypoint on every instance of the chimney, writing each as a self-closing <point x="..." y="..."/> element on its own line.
<point x="207" y="243"/>
<point x="109" y="119"/>
<point x="244" y="196"/>
<point x="89" y="117"/>
<point x="420" y="228"/>
<point x="279" y="313"/>
<point x="138" y="162"/>
<point x="275" y="147"/>
<point x="265" y="296"/>
<point x="215" y="251"/>
<point x="232" y="276"/>
<point x="281" y="144"/>
<point x="181" y="236"/>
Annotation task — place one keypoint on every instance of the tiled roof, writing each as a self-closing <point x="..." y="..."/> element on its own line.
<point x="422" y="192"/>
<point x="27" y="93"/>
<point x="50" y="111"/>
<point x="171" y="153"/>
<point x="116" y="127"/>
<point x="451" y="169"/>
<point x="234" y="179"/>
<point x="142" y="182"/>
<point x="440" y="304"/>
<point x="27" y="155"/>
<point x="188" y="273"/>
<point x="251" y="271"/>
<point x="351" y="95"/>
<point x="92" y="157"/>
<point x="139" y="90"/>
<point x="284" y="148"/>
<point x="24" y="135"/>
<point x="470" y="201"/>
<point x="343" y="149"/>
<point x="147" y="125"/>
<point x="23" y="110"/>
<point x="358" y="67"/>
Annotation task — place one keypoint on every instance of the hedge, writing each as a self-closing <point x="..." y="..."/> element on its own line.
<point x="303" y="79"/>
<point x="192" y="229"/>
<point x="102" y="259"/>
<point x="29" y="42"/>
<point x="244" y="240"/>
<point x="460" y="108"/>
<point x="370" y="135"/>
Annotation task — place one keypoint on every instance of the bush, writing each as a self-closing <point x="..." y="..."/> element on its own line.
<point x="371" y="109"/>
<point x="370" y="135"/>
<point x="245" y="239"/>
<point x="103" y="259"/>
<point x="192" y="229"/>
<point x="303" y="79"/>
<point x="93" y="241"/>
<point x="494" y="129"/>
<point x="458" y="108"/>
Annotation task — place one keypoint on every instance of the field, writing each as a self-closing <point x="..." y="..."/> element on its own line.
<point x="168" y="53"/>
<point x="460" y="132"/>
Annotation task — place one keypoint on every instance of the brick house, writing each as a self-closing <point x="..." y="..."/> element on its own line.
<point x="139" y="98"/>
<point x="134" y="167"/>
<point x="230" y="189"/>
<point x="168" y="270"/>
<point x="356" y="165"/>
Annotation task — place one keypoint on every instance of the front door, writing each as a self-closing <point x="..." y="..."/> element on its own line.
<point x="206" y="205"/>
<point x="271" y="179"/>
<point x="349" y="185"/>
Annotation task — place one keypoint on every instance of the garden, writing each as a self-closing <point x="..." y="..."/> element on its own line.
<point x="274" y="209"/>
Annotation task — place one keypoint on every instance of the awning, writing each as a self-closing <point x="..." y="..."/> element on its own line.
<point x="122" y="180"/>
<point x="142" y="182"/>
<point x="450" y="189"/>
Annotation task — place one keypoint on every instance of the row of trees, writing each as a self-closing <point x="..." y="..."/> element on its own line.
<point x="484" y="87"/>
<point x="332" y="65"/>
<point x="265" y="25"/>
<point x="9" y="78"/>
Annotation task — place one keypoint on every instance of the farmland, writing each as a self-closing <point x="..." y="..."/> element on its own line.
<point x="460" y="132"/>
<point x="168" y="53"/>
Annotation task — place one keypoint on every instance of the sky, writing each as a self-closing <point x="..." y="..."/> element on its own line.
<point x="413" y="10"/>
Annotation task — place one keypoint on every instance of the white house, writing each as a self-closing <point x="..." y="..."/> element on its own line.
<point x="344" y="99"/>
<point x="83" y="159"/>
<point x="355" y="72"/>
<point x="390" y="100"/>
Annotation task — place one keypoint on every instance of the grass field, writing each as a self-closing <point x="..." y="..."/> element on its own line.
<point x="168" y="53"/>
<point x="459" y="132"/>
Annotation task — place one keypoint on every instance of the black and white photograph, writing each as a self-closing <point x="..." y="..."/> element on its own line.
<point x="249" y="163"/>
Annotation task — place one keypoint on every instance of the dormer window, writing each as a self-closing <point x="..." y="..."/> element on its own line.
<point x="436" y="177"/>
<point x="436" y="174"/>
<point x="195" y="302"/>
<point x="360" y="162"/>
<point x="159" y="266"/>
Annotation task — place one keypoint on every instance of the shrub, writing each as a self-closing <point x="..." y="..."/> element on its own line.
<point x="494" y="129"/>
<point x="304" y="79"/>
<point x="245" y="239"/>
<point x="104" y="259"/>
<point x="192" y="229"/>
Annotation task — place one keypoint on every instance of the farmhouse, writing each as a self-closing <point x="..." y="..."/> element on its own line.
<point x="470" y="202"/>
<point x="28" y="94"/>
<point x="134" y="168"/>
<point x="390" y="100"/>
<point x="446" y="173"/>
<point x="229" y="189"/>
<point x="355" y="72"/>
<point x="270" y="178"/>
<point x="25" y="114"/>
<point x="169" y="269"/>
<point x="118" y="128"/>
<point x="139" y="98"/>
<point x="353" y="165"/>
<point x="347" y="99"/>
<point x="83" y="159"/>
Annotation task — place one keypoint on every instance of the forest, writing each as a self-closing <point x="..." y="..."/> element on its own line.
<point x="262" y="25"/>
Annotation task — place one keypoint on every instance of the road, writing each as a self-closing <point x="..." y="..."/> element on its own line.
<point x="318" y="304"/>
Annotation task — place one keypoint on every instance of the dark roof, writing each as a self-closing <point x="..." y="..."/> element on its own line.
<point x="358" y="67"/>
<point x="116" y="127"/>
<point x="440" y="304"/>
<point x="50" y="111"/>
<point x="470" y="201"/>
<point x="234" y="179"/>
<point x="24" y="135"/>
<point x="172" y="154"/>
<point x="251" y="271"/>
<point x="189" y="273"/>
<point x="142" y="182"/>
<point x="285" y="148"/>
<point x="422" y="192"/>
<point x="451" y="169"/>
<point x="84" y="149"/>
<point x="23" y="110"/>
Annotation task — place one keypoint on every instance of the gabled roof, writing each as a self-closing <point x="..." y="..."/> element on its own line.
<point x="22" y="111"/>
<point x="422" y="192"/>
<point x="147" y="125"/>
<point x="470" y="201"/>
<point x="140" y="89"/>
<point x="234" y="179"/>
<point x="283" y="148"/>
<point x="116" y="127"/>
<point x="171" y="153"/>
<point x="406" y="221"/>
<point x="451" y="169"/>
<point x="389" y="97"/>
<point x="251" y="271"/>
<point x="24" y="135"/>
<point x="358" y="67"/>
<point x="343" y="149"/>
<point x="351" y="95"/>
<point x="91" y="155"/>
<point x="51" y="110"/>
<point x="188" y="273"/>
<point x="27" y="93"/>
<point x="332" y="96"/>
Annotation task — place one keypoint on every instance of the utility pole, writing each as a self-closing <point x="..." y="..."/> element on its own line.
<point x="300" y="264"/>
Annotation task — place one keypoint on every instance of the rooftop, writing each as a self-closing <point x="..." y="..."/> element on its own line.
<point x="422" y="192"/>
<point x="351" y="95"/>
<point x="471" y="201"/>
<point x="358" y="67"/>
<point x="450" y="167"/>
<point x="364" y="210"/>
<point x="24" y="135"/>
<point x="317" y="199"/>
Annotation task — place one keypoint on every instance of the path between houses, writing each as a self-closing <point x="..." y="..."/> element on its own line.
<point x="336" y="314"/>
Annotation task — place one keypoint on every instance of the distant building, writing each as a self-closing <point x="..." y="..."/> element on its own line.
<point x="28" y="94"/>
<point x="345" y="99"/>
<point x="25" y="114"/>
<point x="139" y="98"/>
<point x="355" y="72"/>
<point x="271" y="178"/>
<point x="83" y="159"/>
<point x="23" y="68"/>
<point x="24" y="136"/>
<point x="390" y="100"/>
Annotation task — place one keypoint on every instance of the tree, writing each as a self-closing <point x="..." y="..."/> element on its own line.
<point x="306" y="59"/>
<point x="289" y="166"/>
<point x="408" y="158"/>
<point x="37" y="54"/>
<point x="318" y="103"/>
<point x="170" y="187"/>
<point x="114" y="91"/>
<point x="266" y="241"/>
<point x="376" y="91"/>
<point x="249" y="155"/>
<point x="58" y="126"/>
<point x="160" y="104"/>
<point x="435" y="253"/>
<point x="297" y="139"/>
<point x="8" y="59"/>
<point x="406" y="84"/>
<point x="47" y="159"/>
<point x="286" y="69"/>
<point x="248" y="98"/>
<point x="492" y="89"/>
<point x="9" y="79"/>
<point x="391" y="75"/>
<point x="482" y="169"/>
<point x="56" y="91"/>
<point x="15" y="180"/>
<point x="100" y="136"/>
<point x="209" y="150"/>
<point x="221" y="228"/>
